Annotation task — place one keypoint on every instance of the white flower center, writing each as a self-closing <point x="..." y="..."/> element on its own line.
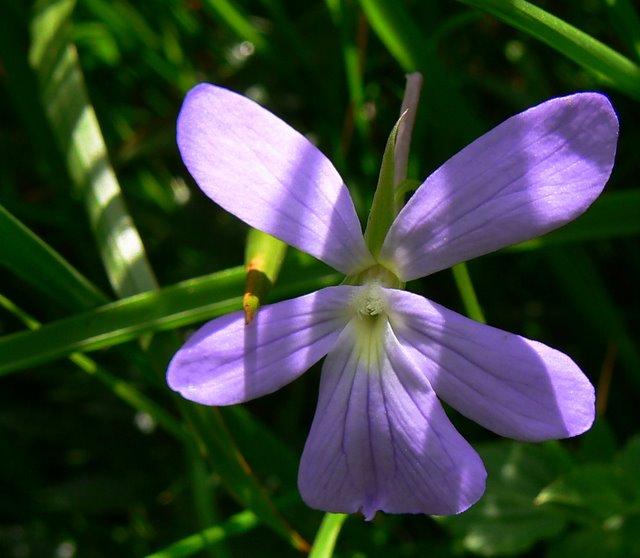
<point x="370" y="307"/>
<point x="370" y="300"/>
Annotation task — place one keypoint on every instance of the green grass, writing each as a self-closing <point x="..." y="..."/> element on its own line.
<point x="110" y="256"/>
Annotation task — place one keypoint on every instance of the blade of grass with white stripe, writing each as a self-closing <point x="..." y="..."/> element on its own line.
<point x="75" y="125"/>
<point x="78" y="134"/>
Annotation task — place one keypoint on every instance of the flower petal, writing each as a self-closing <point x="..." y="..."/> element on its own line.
<point x="513" y="386"/>
<point x="533" y="173"/>
<point x="380" y="439"/>
<point x="227" y="362"/>
<point x="260" y="169"/>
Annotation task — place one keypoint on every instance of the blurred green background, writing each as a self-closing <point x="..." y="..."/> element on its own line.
<point x="97" y="457"/>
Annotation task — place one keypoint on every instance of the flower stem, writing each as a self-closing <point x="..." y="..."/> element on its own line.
<point x="327" y="535"/>
<point x="467" y="292"/>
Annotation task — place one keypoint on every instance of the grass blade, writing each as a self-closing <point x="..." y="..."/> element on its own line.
<point x="182" y="304"/>
<point x="236" y="525"/>
<point x="120" y="388"/>
<point x="231" y="16"/>
<point x="467" y="292"/>
<point x="76" y="128"/>
<point x="35" y="262"/>
<point x="591" y="54"/>
<point x="397" y="31"/>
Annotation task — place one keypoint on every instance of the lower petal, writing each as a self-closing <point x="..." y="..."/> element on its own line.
<point x="227" y="362"/>
<point x="380" y="439"/>
<point x="511" y="385"/>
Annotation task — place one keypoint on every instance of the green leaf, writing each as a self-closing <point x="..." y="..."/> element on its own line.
<point x="594" y="489"/>
<point x="224" y="457"/>
<point x="596" y="542"/>
<point x="345" y="19"/>
<point x="240" y="523"/>
<point x="507" y="520"/>
<point x="597" y="492"/>
<point x="406" y="186"/>
<point x="382" y="211"/>
<point x="75" y="126"/>
<point x="605" y="499"/>
<point x="120" y="388"/>
<point x="397" y="31"/>
<point x="270" y="457"/>
<point x="182" y="304"/>
<point x="35" y="262"/>
<point x="232" y="16"/>
<point x="237" y="524"/>
<point x="21" y="84"/>
<point x="591" y="54"/>
<point x="407" y="42"/>
<point x="203" y="497"/>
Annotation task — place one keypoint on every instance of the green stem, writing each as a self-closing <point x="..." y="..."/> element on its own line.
<point x="327" y="535"/>
<point x="467" y="292"/>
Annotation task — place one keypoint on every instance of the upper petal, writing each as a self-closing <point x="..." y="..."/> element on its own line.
<point x="227" y="362"/>
<point x="514" y="386"/>
<point x="260" y="169"/>
<point x="531" y="174"/>
<point x="380" y="439"/>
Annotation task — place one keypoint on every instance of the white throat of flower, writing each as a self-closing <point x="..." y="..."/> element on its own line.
<point x="370" y="311"/>
<point x="370" y="300"/>
<point x="369" y="308"/>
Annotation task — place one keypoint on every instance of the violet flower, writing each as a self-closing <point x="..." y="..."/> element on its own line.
<point x="380" y="439"/>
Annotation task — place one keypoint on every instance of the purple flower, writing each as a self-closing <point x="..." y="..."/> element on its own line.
<point x="380" y="439"/>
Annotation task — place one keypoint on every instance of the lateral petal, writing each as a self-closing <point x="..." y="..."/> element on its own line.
<point x="260" y="169"/>
<point x="227" y="362"/>
<point x="531" y="174"/>
<point x="511" y="385"/>
<point x="380" y="439"/>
